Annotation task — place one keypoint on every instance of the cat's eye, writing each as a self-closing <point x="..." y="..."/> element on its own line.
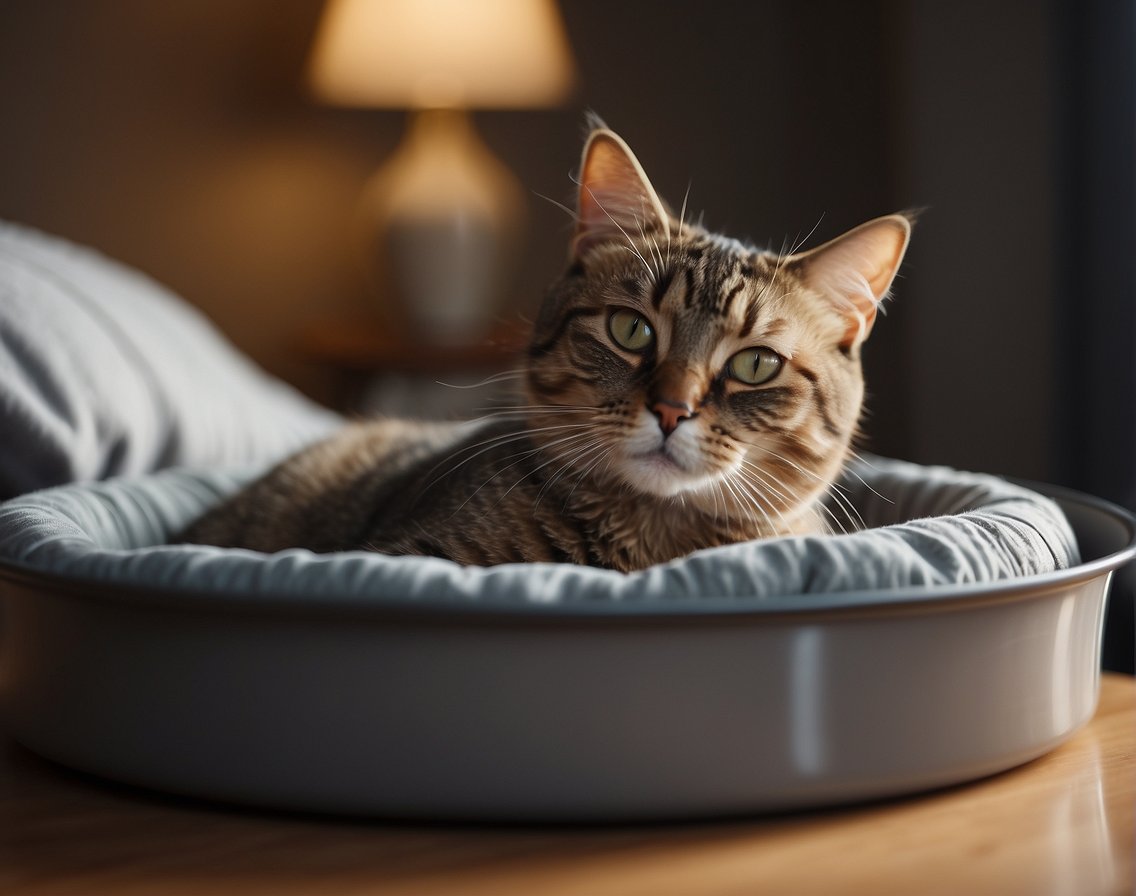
<point x="754" y="366"/>
<point x="630" y="330"/>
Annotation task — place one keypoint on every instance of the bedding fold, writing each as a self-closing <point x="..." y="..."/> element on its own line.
<point x="921" y="527"/>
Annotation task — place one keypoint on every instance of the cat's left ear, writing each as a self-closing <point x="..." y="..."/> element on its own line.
<point x="616" y="200"/>
<point x="856" y="270"/>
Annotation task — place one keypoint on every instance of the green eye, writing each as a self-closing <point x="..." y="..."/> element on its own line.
<point x="755" y="366"/>
<point x="630" y="330"/>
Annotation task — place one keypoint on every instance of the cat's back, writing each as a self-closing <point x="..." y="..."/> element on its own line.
<point x="325" y="497"/>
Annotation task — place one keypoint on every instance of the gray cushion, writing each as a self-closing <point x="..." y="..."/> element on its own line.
<point x="930" y="527"/>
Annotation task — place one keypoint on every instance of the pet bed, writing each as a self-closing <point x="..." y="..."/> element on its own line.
<point x="958" y="635"/>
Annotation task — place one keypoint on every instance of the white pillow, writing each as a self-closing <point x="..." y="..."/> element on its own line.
<point x="105" y="372"/>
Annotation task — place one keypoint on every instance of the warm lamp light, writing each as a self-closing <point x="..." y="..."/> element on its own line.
<point x="441" y="53"/>
<point x="443" y="208"/>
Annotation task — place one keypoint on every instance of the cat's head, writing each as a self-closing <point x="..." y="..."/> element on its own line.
<point x="674" y="361"/>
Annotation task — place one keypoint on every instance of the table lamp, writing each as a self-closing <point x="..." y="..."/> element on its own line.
<point x="440" y="214"/>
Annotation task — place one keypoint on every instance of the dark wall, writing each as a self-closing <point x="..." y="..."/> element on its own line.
<point x="176" y="136"/>
<point x="976" y="113"/>
<point x="1097" y="281"/>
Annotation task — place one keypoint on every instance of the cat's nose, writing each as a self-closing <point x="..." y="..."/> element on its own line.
<point x="671" y="413"/>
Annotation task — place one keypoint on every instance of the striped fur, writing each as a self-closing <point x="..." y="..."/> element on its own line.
<point x="616" y="457"/>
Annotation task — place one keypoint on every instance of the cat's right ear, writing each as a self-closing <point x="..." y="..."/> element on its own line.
<point x="856" y="270"/>
<point x="616" y="201"/>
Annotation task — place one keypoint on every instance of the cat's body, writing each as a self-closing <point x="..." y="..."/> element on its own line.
<point x="682" y="391"/>
<point x="482" y="494"/>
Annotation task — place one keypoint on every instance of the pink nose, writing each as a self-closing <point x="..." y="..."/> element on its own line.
<point x="671" y="414"/>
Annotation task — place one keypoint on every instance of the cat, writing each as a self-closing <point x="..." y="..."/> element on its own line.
<point x="682" y="391"/>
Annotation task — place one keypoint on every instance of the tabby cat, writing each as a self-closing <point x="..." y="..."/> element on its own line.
<point x="682" y="390"/>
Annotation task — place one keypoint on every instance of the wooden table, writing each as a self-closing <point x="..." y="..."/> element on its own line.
<point x="1060" y="825"/>
<point x="353" y="354"/>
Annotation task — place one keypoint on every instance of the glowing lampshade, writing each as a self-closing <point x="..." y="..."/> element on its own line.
<point x="441" y="53"/>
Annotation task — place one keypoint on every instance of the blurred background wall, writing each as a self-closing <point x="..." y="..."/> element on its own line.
<point x="178" y="137"/>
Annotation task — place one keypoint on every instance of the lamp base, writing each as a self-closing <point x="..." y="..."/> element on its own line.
<point x="441" y="219"/>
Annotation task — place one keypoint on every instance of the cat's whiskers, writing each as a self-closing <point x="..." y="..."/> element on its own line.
<point x="756" y="477"/>
<point x="681" y="220"/>
<point x="492" y="443"/>
<point x="819" y="503"/>
<point x="756" y="485"/>
<point x="714" y="494"/>
<point x="567" y="462"/>
<point x="626" y="236"/>
<point x="526" y="412"/>
<point x="767" y="287"/>
<point x="569" y="443"/>
<point x="719" y="493"/>
<point x="792" y="498"/>
<point x="773" y="279"/>
<point x="544" y="408"/>
<point x="778" y="264"/>
<point x="787" y="495"/>
<point x="842" y="500"/>
<point x="765" y="504"/>
<point x="577" y="458"/>
<point x="783" y="255"/>
<point x="569" y="456"/>
<point x="605" y="454"/>
<point x="560" y="205"/>
<point x="723" y="485"/>
<point x="522" y="414"/>
<point x="491" y="380"/>
<point x="531" y="472"/>
<point x="515" y="376"/>
<point x="739" y="496"/>
<point x="848" y="469"/>
<point x="520" y="456"/>
<point x="730" y="497"/>
<point x="658" y="264"/>
<point x="802" y="240"/>
<point x="833" y="488"/>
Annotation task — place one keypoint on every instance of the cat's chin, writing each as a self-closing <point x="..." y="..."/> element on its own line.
<point x="657" y="473"/>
